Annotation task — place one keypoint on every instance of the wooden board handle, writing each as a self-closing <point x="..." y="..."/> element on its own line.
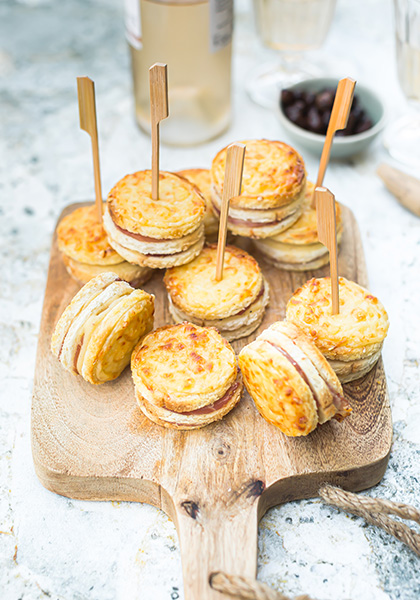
<point x="212" y="539"/>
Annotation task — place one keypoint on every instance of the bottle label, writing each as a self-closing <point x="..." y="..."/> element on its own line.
<point x="221" y="23"/>
<point x="133" y="24"/>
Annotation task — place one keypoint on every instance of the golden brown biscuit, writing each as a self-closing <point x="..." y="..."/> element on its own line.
<point x="87" y="252"/>
<point x="155" y="233"/>
<point x="82" y="238"/>
<point x="290" y="381"/>
<point x="88" y="293"/>
<point x="354" y="336"/>
<point x="297" y="248"/>
<point x="273" y="176"/>
<point x="235" y="305"/>
<point x="202" y="179"/>
<point x="182" y="372"/>
<point x="178" y="212"/>
<point x="97" y="332"/>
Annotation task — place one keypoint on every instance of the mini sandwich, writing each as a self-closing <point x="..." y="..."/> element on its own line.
<point x="202" y="179"/>
<point x="291" y="383"/>
<point x="298" y="248"/>
<point x="273" y="189"/>
<point x="87" y="253"/>
<point x="235" y="305"/>
<point x="185" y="376"/>
<point x="97" y="332"/>
<point x="352" y="340"/>
<point x="155" y="233"/>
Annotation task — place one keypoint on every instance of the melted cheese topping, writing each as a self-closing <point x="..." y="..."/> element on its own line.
<point x="193" y="287"/>
<point x="183" y="367"/>
<point x="178" y="211"/>
<point x="356" y="332"/>
<point x="81" y="237"/>
<point x="274" y="175"/>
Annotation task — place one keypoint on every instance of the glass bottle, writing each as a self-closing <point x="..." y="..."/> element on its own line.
<point x="195" y="40"/>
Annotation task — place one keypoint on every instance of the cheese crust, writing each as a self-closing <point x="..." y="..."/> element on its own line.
<point x="82" y="238"/>
<point x="183" y="367"/>
<point x="274" y="175"/>
<point x="202" y="179"/>
<point x="193" y="288"/>
<point x="357" y="332"/>
<point x="178" y="211"/>
<point x="280" y="394"/>
<point x="290" y="381"/>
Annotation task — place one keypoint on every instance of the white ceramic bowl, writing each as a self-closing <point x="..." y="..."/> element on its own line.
<point x="343" y="145"/>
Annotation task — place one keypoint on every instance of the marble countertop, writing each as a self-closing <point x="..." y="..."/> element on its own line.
<point x="53" y="547"/>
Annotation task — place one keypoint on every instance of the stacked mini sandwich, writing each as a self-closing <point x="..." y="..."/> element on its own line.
<point x="235" y="305"/>
<point x="293" y="386"/>
<point x="86" y="250"/>
<point x="185" y="376"/>
<point x="202" y="179"/>
<point x="352" y="340"/>
<point x="97" y="332"/>
<point x="297" y="248"/>
<point x="273" y="189"/>
<point x="155" y="233"/>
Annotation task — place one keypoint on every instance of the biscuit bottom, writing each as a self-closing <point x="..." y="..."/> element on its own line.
<point x="135" y="275"/>
<point x="196" y="418"/>
<point x="354" y="369"/>
<point x="291" y="265"/>
<point x="233" y="327"/>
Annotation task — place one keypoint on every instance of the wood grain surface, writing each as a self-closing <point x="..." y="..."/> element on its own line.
<point x="92" y="442"/>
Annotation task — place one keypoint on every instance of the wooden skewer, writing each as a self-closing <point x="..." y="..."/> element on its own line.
<point x="338" y="120"/>
<point x="231" y="187"/>
<point x="87" y="115"/>
<point x="327" y="235"/>
<point x="405" y="188"/>
<point x="158" y="77"/>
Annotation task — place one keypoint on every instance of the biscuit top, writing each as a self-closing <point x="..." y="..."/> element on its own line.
<point x="356" y="332"/>
<point x="184" y="360"/>
<point x="305" y="230"/>
<point x="273" y="176"/>
<point x="81" y="237"/>
<point x="202" y="179"/>
<point x="193" y="287"/>
<point x="178" y="212"/>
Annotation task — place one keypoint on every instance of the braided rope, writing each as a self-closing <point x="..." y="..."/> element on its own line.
<point x="352" y="502"/>
<point x="373" y="510"/>
<point x="248" y="589"/>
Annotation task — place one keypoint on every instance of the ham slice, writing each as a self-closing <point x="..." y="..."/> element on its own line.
<point x="217" y="405"/>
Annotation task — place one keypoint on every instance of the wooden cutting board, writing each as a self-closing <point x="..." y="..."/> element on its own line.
<point x="92" y="442"/>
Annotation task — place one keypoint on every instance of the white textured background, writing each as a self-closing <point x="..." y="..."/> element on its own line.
<point x="52" y="547"/>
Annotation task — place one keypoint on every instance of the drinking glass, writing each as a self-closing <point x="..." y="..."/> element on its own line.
<point x="291" y="27"/>
<point x="402" y="138"/>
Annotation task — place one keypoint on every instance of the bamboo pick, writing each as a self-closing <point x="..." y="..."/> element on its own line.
<point x="327" y="235"/>
<point x="158" y="78"/>
<point x="231" y="188"/>
<point x="338" y="120"/>
<point x="88" y="122"/>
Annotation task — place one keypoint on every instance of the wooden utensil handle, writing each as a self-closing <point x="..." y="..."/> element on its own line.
<point x="214" y="538"/>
